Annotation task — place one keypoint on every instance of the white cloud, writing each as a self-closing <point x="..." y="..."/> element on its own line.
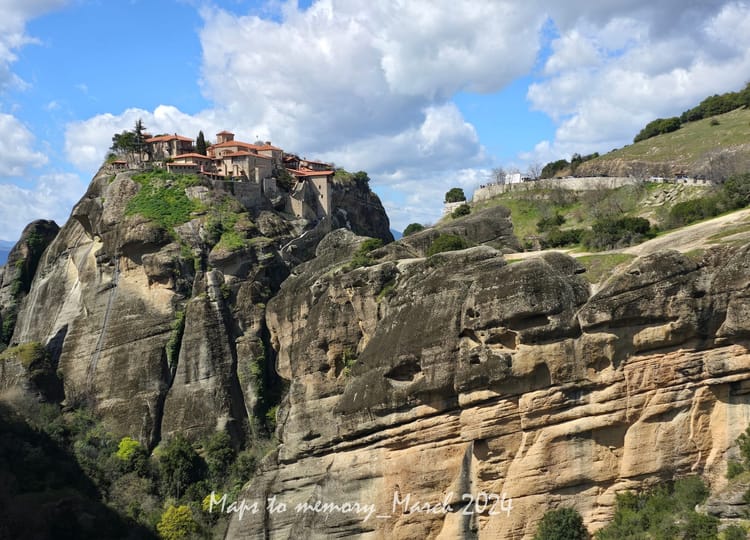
<point x="655" y="60"/>
<point x="369" y="85"/>
<point x="51" y="197"/>
<point x="87" y="141"/>
<point x="16" y="147"/>
<point x="15" y="14"/>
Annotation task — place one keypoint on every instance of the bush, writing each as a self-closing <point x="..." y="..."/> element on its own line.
<point x="561" y="524"/>
<point x="412" y="228"/>
<point x="132" y="455"/>
<point x="736" y="191"/>
<point x="554" y="167"/>
<point x="687" y="212"/>
<point x="658" y="127"/>
<point x="610" y="234"/>
<point x="667" y="511"/>
<point x="177" y="523"/>
<point x="558" y="238"/>
<point x="463" y="210"/>
<point x="446" y="242"/>
<point x="735" y="532"/>
<point x="362" y="255"/>
<point x="219" y="456"/>
<point x="455" y="195"/>
<point x="734" y="468"/>
<point x="547" y="223"/>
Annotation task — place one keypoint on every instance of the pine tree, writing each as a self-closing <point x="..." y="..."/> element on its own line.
<point x="200" y="144"/>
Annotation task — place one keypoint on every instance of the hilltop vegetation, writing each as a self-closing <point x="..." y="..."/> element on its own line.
<point x="710" y="140"/>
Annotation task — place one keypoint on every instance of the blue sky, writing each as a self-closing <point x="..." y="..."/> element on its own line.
<point x="424" y="95"/>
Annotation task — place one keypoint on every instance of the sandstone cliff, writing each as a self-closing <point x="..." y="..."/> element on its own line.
<point x="424" y="379"/>
<point x="158" y="322"/>
<point x="429" y="379"/>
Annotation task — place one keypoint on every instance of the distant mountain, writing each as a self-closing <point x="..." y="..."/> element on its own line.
<point x="396" y="234"/>
<point x="5" y="247"/>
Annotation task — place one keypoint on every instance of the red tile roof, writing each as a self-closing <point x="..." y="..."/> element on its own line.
<point x="165" y="138"/>
<point x="225" y="132"/>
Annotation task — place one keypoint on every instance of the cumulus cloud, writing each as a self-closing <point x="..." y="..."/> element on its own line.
<point x="16" y="147"/>
<point x="51" y="197"/>
<point x="369" y="85"/>
<point x="352" y="69"/>
<point x="87" y="141"/>
<point x="614" y="68"/>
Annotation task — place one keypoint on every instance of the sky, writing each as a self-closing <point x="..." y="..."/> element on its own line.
<point x="424" y="95"/>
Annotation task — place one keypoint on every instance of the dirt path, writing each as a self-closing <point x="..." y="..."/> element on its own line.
<point x="685" y="239"/>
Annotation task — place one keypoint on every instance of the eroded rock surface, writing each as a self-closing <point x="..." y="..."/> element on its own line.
<point x="429" y="379"/>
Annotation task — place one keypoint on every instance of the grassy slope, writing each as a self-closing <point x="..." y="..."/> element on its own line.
<point x="689" y="143"/>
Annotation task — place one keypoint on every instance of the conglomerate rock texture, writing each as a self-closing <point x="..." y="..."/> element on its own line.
<point x="417" y="384"/>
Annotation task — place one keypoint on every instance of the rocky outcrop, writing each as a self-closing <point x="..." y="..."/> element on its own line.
<point x="357" y="208"/>
<point x="436" y="380"/>
<point x="16" y="275"/>
<point x="158" y="319"/>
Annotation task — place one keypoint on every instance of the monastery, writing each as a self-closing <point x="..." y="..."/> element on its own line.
<point x="255" y="168"/>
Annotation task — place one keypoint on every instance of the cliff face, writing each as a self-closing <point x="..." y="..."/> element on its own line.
<point x="159" y="324"/>
<point x="424" y="380"/>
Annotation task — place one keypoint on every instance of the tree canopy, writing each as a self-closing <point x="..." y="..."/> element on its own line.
<point x="455" y="195"/>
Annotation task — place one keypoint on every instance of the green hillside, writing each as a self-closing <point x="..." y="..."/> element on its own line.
<point x="719" y="145"/>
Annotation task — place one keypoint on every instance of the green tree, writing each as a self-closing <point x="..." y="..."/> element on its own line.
<point x="412" y="228"/>
<point x="455" y="195"/>
<point x="200" y="144"/>
<point x="132" y="455"/>
<point x="554" y="167"/>
<point x="561" y="524"/>
<point x="179" y="466"/>
<point x="177" y="523"/>
<point x="219" y="456"/>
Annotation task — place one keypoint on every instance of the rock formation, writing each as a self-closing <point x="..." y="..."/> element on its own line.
<point x="416" y="384"/>
<point x="475" y="378"/>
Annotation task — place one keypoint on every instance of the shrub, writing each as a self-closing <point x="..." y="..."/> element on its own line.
<point x="687" y="212"/>
<point x="743" y="442"/>
<point x="610" y="234"/>
<point x="667" y="511"/>
<point x="127" y="448"/>
<point x="463" y="210"/>
<point x="736" y="191"/>
<point x="734" y="468"/>
<point x="177" y="523"/>
<point x="561" y="524"/>
<point x="446" y="242"/>
<point x="558" y="238"/>
<point x="362" y="255"/>
<point x="412" y="228"/>
<point x="554" y="167"/>
<point x="547" y="223"/>
<point x="658" y="127"/>
<point x="735" y="532"/>
<point x="455" y="195"/>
